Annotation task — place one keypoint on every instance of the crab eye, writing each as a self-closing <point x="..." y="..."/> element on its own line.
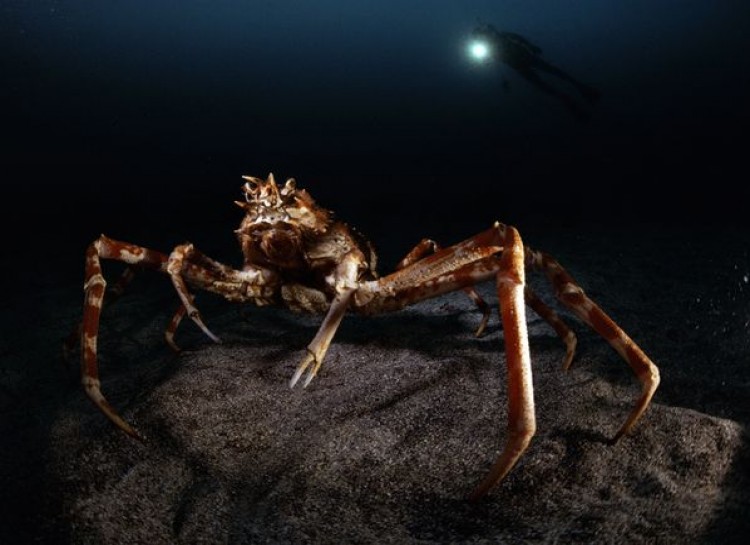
<point x="251" y="187"/>
<point x="289" y="187"/>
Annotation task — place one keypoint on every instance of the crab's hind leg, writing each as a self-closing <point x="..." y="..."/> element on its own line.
<point x="553" y="319"/>
<point x="571" y="295"/>
<point x="94" y="288"/>
<point x="428" y="246"/>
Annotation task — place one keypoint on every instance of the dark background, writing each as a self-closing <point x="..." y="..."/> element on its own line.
<point x="137" y="119"/>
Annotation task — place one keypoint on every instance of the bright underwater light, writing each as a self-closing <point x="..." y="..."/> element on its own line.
<point x="479" y="50"/>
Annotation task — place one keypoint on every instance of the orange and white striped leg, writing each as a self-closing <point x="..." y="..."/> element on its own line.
<point x="176" y="263"/>
<point x="209" y="270"/>
<point x="428" y="246"/>
<point x="572" y="295"/>
<point x="112" y="295"/>
<point x="94" y="288"/>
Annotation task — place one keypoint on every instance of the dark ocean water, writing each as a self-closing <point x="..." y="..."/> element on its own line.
<point x="140" y="118"/>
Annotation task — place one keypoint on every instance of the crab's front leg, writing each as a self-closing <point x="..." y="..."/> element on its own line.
<point x="345" y="284"/>
<point x="177" y="262"/>
<point x="211" y="275"/>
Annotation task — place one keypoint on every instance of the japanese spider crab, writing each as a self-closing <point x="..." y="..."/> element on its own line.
<point x="296" y="254"/>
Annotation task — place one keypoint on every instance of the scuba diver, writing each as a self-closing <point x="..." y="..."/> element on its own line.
<point x="526" y="59"/>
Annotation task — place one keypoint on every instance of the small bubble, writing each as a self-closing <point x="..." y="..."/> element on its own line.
<point x="746" y="278"/>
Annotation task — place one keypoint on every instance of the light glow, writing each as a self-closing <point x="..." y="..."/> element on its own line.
<point x="479" y="50"/>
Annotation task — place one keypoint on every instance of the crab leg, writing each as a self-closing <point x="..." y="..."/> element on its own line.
<point x="346" y="286"/>
<point x="205" y="272"/>
<point x="317" y="349"/>
<point x="510" y="282"/>
<point x="114" y="294"/>
<point x="427" y="246"/>
<point x="94" y="288"/>
<point x="432" y="276"/>
<point x="172" y="327"/>
<point x="175" y="265"/>
<point x="553" y="319"/>
<point x="572" y="296"/>
<point x="473" y="264"/>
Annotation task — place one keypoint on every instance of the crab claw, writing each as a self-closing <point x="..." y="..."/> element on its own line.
<point x="304" y="364"/>
<point x="196" y="317"/>
<point x="317" y="349"/>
